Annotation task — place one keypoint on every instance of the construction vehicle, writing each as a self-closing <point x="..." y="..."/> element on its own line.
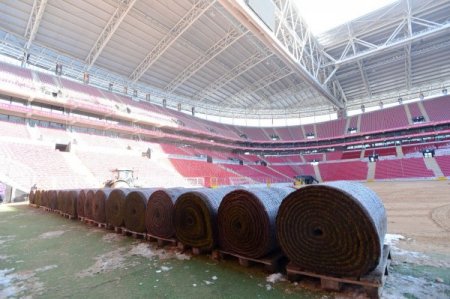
<point x="124" y="178"/>
<point x="301" y="180"/>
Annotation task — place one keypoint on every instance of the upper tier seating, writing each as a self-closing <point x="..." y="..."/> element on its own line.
<point x="438" y="109"/>
<point x="47" y="80"/>
<point x="284" y="133"/>
<point x="353" y="123"/>
<point x="254" y="133"/>
<point x="414" y="109"/>
<point x="381" y="120"/>
<point x="89" y="97"/>
<point x="15" y="72"/>
<point x="331" y="129"/>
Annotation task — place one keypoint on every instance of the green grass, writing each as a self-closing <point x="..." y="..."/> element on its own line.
<point x="76" y="250"/>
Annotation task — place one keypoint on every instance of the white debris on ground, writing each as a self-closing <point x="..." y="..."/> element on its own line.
<point x="275" y="277"/>
<point x="413" y="257"/>
<point x="207" y="282"/>
<point x="109" y="261"/>
<point x="19" y="284"/>
<point x="165" y="268"/>
<point x="112" y="237"/>
<point x="46" y="268"/>
<point x="397" y="285"/>
<point x="214" y="278"/>
<point x="269" y="287"/>
<point x="182" y="256"/>
<point x="4" y="239"/>
<point x="4" y="257"/>
<point x="50" y="235"/>
<point x="150" y="251"/>
<point x="392" y="239"/>
<point x="142" y="249"/>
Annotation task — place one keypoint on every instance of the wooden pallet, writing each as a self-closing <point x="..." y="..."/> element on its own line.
<point x="372" y="282"/>
<point x="46" y="209"/>
<point x="271" y="263"/>
<point x="160" y="241"/>
<point x="133" y="234"/>
<point x="195" y="250"/>
<point x="68" y="216"/>
<point x="94" y="223"/>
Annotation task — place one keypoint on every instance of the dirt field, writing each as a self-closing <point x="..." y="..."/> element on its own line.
<point x="43" y="255"/>
<point x="420" y="211"/>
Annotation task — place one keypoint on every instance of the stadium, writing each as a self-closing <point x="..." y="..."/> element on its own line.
<point x="237" y="99"/>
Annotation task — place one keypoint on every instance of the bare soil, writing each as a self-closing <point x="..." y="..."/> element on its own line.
<point x="419" y="211"/>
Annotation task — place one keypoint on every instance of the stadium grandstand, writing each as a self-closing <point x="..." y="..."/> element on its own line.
<point x="209" y="93"/>
<point x="359" y="104"/>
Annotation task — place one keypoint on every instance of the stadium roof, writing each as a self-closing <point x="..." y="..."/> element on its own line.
<point x="232" y="58"/>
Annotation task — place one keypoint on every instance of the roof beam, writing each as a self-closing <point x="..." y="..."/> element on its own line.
<point x="360" y="66"/>
<point x="230" y="38"/>
<point x="114" y="22"/>
<point x="37" y="12"/>
<point x="238" y="70"/>
<point x="396" y="43"/>
<point x="255" y="86"/>
<point x="289" y="46"/>
<point x="408" y="66"/>
<point x="199" y="8"/>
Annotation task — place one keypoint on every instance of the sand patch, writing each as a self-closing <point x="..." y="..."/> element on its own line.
<point x="441" y="216"/>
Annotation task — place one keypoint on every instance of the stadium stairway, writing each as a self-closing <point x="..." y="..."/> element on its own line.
<point x="358" y="124"/>
<point x="77" y="166"/>
<point x="432" y="165"/>
<point x="303" y="131"/>
<point x="317" y="172"/>
<point x="347" y="124"/>
<point x="371" y="167"/>
<point x="34" y="132"/>
<point x="399" y="151"/>
<point x="363" y="153"/>
<point x="423" y="111"/>
<point x="408" y="114"/>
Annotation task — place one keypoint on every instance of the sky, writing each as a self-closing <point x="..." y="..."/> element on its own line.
<point x="322" y="15"/>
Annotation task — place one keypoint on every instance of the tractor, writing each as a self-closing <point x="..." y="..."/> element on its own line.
<point x="124" y="178"/>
